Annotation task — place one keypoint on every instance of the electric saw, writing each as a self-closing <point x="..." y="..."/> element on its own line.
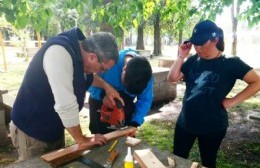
<point x="115" y="116"/>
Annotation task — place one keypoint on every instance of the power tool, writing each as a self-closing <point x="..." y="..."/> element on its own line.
<point x="113" y="115"/>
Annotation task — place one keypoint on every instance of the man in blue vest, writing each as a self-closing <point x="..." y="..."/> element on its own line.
<point x="132" y="77"/>
<point x="53" y="91"/>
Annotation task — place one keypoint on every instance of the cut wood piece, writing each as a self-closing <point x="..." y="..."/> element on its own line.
<point x="194" y="165"/>
<point x="132" y="141"/>
<point x="171" y="161"/>
<point x="146" y="159"/>
<point x="65" y="155"/>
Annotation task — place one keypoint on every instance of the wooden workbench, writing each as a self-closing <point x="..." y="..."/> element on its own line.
<point x="100" y="154"/>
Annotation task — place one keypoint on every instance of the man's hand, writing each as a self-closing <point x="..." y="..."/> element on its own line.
<point x="88" y="142"/>
<point x="132" y="133"/>
<point x="83" y="141"/>
<point x="112" y="94"/>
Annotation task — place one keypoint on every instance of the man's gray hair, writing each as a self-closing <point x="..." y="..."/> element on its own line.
<point x="103" y="44"/>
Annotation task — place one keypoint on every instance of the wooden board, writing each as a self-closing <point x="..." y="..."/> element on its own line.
<point x="146" y="159"/>
<point x="130" y="141"/>
<point x="65" y="155"/>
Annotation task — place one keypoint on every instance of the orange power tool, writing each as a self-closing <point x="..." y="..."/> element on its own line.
<point x="114" y="116"/>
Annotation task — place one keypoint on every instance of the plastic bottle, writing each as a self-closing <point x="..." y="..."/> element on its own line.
<point x="129" y="163"/>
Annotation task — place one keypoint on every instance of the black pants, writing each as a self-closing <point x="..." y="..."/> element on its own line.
<point x="208" y="144"/>
<point x="96" y="126"/>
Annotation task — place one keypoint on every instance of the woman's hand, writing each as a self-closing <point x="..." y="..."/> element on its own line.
<point x="229" y="102"/>
<point x="184" y="49"/>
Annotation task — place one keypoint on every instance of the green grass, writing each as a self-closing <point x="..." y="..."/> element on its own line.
<point x="158" y="133"/>
<point x="12" y="79"/>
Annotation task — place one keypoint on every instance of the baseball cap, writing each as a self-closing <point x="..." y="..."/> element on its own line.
<point x="131" y="53"/>
<point x="203" y="31"/>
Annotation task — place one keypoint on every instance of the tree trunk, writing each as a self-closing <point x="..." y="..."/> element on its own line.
<point x="234" y="13"/>
<point x="39" y="40"/>
<point x="157" y="36"/>
<point x="122" y="46"/>
<point x="105" y="27"/>
<point x="140" y="37"/>
<point x="3" y="51"/>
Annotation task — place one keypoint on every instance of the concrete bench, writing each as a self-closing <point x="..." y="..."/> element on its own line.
<point x="165" y="62"/>
<point x="20" y="54"/>
<point x="163" y="90"/>
<point x="6" y="105"/>
<point x="144" y="53"/>
<point x="31" y="51"/>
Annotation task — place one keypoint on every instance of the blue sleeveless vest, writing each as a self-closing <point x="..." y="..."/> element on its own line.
<point x="33" y="111"/>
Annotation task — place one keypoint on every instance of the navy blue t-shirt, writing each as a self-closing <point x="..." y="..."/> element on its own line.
<point x="208" y="82"/>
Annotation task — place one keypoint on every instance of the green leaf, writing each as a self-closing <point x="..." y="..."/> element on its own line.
<point x="23" y="7"/>
<point x="7" y="4"/>
<point x="14" y="1"/>
<point x="135" y="23"/>
<point x="21" y="21"/>
<point x="9" y="15"/>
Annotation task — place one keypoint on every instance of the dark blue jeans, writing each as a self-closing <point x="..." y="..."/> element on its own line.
<point x="208" y="144"/>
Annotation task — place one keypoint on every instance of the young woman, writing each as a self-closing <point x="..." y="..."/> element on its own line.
<point x="209" y="77"/>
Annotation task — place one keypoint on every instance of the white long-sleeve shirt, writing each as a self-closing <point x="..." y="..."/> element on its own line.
<point x="57" y="64"/>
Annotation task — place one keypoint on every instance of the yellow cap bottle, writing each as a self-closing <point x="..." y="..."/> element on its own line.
<point x="129" y="163"/>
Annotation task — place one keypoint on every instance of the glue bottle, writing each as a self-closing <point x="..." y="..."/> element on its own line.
<point x="129" y="163"/>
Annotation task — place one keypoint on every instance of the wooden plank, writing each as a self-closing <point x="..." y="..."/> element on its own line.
<point x="65" y="155"/>
<point x="146" y="159"/>
<point x="132" y="141"/>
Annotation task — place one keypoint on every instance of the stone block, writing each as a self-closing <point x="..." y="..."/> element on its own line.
<point x="165" y="62"/>
<point x="144" y="53"/>
<point x="163" y="90"/>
